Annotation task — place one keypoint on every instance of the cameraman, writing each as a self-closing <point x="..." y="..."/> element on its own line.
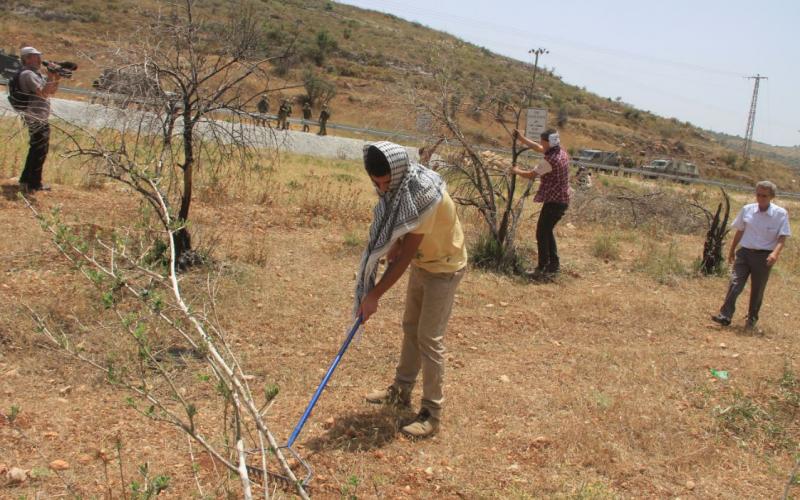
<point x="38" y="90"/>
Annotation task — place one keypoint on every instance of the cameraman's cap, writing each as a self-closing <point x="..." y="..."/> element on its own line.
<point x="26" y="51"/>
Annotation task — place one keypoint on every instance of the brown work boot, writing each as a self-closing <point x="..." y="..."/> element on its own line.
<point x="390" y="396"/>
<point x="423" y="426"/>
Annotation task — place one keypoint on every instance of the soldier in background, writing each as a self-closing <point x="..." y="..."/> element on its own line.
<point x="324" y="115"/>
<point x="282" y="113"/>
<point x="263" y="109"/>
<point x="288" y="114"/>
<point x="306" y="116"/>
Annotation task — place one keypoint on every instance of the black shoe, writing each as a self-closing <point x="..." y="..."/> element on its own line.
<point x="541" y="276"/>
<point x="722" y="320"/>
<point x="750" y="324"/>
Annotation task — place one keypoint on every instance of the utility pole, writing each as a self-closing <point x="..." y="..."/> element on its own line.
<point x="751" y="117"/>
<point x="537" y="53"/>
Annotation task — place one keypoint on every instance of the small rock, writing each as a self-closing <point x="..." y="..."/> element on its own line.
<point x="59" y="465"/>
<point x="50" y="434"/>
<point x="541" y="442"/>
<point x="429" y="471"/>
<point x="16" y="475"/>
<point x="62" y="400"/>
<point x="723" y="346"/>
<point x="489" y="305"/>
<point x="504" y="379"/>
<point x="378" y="454"/>
<point x="690" y="485"/>
<point x="735" y="355"/>
<point x="329" y="422"/>
<point x="513" y="467"/>
<point x="503" y="304"/>
<point x="407" y="488"/>
<point x="65" y="390"/>
<point x="85" y="459"/>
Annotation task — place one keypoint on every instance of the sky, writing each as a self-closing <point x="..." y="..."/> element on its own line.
<point x="676" y="58"/>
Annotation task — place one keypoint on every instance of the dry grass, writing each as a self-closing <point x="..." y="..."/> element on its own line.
<point x="610" y="393"/>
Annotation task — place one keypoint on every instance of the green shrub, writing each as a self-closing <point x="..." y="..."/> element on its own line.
<point x="353" y="240"/>
<point x="606" y="246"/>
<point x="662" y="265"/>
<point x="487" y="253"/>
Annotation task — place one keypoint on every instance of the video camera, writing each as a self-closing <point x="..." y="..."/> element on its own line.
<point x="64" y="68"/>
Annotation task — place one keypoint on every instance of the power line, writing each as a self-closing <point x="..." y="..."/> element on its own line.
<point x="751" y="117"/>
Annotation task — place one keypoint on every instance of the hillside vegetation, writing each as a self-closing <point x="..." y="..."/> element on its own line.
<point x="374" y="59"/>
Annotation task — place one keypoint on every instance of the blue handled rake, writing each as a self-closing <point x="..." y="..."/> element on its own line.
<point x="299" y="427"/>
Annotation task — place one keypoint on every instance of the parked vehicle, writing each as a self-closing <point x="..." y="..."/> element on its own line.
<point x="598" y="157"/>
<point x="9" y="65"/>
<point x="678" y="168"/>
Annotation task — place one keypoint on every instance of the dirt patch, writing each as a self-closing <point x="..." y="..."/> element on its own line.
<point x="597" y="385"/>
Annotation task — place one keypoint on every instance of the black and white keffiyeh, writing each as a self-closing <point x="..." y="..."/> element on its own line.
<point x="414" y="192"/>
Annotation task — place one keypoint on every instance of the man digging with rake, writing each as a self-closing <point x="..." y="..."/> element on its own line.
<point x="415" y="222"/>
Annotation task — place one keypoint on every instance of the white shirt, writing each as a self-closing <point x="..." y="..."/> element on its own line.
<point x="762" y="229"/>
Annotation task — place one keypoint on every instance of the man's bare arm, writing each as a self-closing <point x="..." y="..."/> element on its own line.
<point x="396" y="268"/>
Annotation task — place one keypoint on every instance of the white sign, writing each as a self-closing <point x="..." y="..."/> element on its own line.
<point x="535" y="122"/>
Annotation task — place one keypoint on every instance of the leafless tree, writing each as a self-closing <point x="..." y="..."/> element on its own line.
<point x="190" y="76"/>
<point x="193" y="77"/>
<point x="155" y="326"/>
<point x="477" y="178"/>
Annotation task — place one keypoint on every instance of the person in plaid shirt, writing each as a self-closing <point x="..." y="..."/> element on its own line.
<point x="553" y="193"/>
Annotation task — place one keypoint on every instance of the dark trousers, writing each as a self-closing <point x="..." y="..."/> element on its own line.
<point x="37" y="153"/>
<point x="545" y="237"/>
<point x="752" y="264"/>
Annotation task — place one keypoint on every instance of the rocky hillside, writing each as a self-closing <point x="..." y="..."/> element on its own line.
<point x="377" y="60"/>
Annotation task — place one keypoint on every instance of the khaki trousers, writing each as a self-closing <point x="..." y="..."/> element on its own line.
<point x="429" y="302"/>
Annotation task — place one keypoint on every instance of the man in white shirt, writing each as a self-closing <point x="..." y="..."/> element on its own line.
<point x="762" y="229"/>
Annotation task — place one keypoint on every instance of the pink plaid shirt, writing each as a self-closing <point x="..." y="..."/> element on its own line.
<point x="554" y="187"/>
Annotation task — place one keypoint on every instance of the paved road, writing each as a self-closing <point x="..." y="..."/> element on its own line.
<point x="96" y="117"/>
